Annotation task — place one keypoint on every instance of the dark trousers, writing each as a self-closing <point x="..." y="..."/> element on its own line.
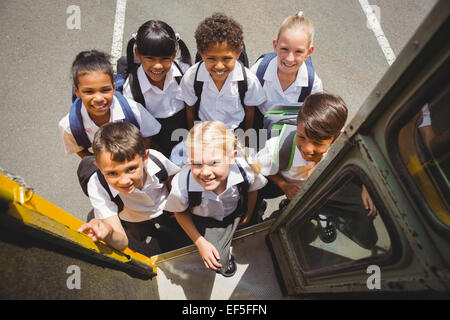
<point x="218" y="233"/>
<point x="165" y="233"/>
<point x="350" y="216"/>
<point x="168" y="125"/>
<point x="270" y="191"/>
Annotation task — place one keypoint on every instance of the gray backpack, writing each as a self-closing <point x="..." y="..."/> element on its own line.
<point x="278" y="115"/>
<point x="284" y="153"/>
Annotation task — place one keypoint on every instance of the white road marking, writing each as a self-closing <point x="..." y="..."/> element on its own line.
<point x="378" y="31"/>
<point x="119" y="23"/>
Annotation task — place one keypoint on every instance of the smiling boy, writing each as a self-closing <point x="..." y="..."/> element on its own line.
<point x="220" y="42"/>
<point x="319" y="123"/>
<point x="133" y="174"/>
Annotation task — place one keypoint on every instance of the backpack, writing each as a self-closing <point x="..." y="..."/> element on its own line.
<point x="195" y="197"/>
<point x="279" y="115"/>
<point x="76" y="121"/>
<point x="136" y="88"/>
<point x="87" y="168"/>
<point x="285" y="151"/>
<point x="242" y="86"/>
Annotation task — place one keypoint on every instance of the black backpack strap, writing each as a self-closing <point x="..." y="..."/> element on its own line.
<point x="86" y="169"/>
<point x="162" y="174"/>
<point x="194" y="197"/>
<point x="243" y="85"/>
<point x="178" y="78"/>
<point x="243" y="190"/>
<point x="117" y="200"/>
<point x="198" y="87"/>
<point x="311" y="74"/>
<point x="243" y="57"/>
<point x="135" y="87"/>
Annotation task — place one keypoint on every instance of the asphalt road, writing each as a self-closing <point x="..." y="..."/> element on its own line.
<point x="37" y="49"/>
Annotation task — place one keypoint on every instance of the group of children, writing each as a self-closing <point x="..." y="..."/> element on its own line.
<point x="144" y="201"/>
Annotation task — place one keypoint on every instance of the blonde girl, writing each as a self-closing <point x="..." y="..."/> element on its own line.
<point x="287" y="74"/>
<point x="214" y="192"/>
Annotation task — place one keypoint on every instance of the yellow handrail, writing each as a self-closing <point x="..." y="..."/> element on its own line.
<point x="40" y="213"/>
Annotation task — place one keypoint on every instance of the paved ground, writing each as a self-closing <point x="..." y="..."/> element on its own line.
<point x="37" y="50"/>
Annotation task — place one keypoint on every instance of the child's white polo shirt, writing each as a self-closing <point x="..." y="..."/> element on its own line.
<point x="160" y="103"/>
<point x="213" y="205"/>
<point x="149" y="126"/>
<point x="140" y="205"/>
<point x="297" y="174"/>
<point x="224" y="106"/>
<point x="272" y="87"/>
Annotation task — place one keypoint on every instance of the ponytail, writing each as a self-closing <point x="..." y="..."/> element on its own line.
<point x="131" y="64"/>
<point x="185" y="55"/>
<point x="256" y="166"/>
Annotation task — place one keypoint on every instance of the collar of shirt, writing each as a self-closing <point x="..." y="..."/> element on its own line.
<point x="146" y="85"/>
<point x="116" y="114"/>
<point x="234" y="178"/>
<point x="151" y="169"/>
<point x="272" y="75"/>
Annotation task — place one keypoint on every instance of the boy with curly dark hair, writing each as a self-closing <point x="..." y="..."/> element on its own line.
<point x="213" y="89"/>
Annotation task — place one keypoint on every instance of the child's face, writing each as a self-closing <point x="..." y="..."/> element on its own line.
<point x="96" y="91"/>
<point x="125" y="176"/>
<point x="311" y="150"/>
<point x="209" y="166"/>
<point x="156" y="68"/>
<point x="220" y="60"/>
<point x="292" y="50"/>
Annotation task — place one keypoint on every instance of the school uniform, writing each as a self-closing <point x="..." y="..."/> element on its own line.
<point x="224" y="105"/>
<point x="272" y="87"/>
<point x="217" y="216"/>
<point x="163" y="104"/>
<point x="149" y="126"/>
<point x="299" y="172"/>
<point x="143" y="209"/>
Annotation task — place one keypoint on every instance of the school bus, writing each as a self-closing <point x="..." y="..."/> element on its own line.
<point x="397" y="146"/>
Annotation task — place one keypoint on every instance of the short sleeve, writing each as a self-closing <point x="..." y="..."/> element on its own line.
<point x="256" y="181"/>
<point x="148" y="124"/>
<point x="170" y="167"/>
<point x="104" y="207"/>
<point x="187" y="92"/>
<point x="265" y="157"/>
<point x="317" y="85"/>
<point x="70" y="144"/>
<point x="254" y="68"/>
<point x="177" y="201"/>
<point x="255" y="94"/>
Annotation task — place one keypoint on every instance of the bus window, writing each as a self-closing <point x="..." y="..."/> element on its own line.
<point x="341" y="233"/>
<point x="424" y="144"/>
